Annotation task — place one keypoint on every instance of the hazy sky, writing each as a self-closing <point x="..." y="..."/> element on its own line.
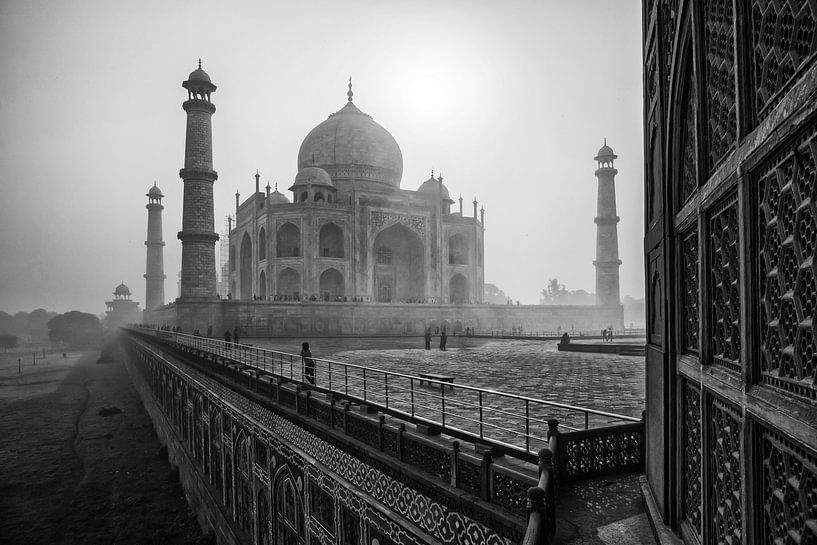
<point x="509" y="100"/>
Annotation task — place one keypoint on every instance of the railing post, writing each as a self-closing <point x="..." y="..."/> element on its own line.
<point x="555" y="446"/>
<point x="400" y="429"/>
<point x="380" y="421"/>
<point x="485" y="475"/>
<point x="455" y="460"/>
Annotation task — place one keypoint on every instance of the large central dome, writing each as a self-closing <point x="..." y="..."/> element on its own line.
<point x="349" y="145"/>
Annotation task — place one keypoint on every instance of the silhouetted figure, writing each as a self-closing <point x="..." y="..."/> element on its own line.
<point x="309" y="363"/>
<point x="428" y="338"/>
<point x="443" y="340"/>
<point x="565" y="338"/>
<point x="610" y="335"/>
<point x="603" y="335"/>
<point x="228" y="338"/>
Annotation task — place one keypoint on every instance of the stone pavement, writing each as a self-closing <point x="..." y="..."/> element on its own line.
<point x="611" y="383"/>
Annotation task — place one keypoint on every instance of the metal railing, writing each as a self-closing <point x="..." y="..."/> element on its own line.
<point x="555" y="334"/>
<point x="515" y="423"/>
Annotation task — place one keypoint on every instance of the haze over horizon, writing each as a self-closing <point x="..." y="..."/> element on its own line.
<point x="509" y="104"/>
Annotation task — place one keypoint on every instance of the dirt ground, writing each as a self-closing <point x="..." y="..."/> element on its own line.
<point x="80" y="460"/>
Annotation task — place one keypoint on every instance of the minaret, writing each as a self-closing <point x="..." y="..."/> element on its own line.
<point x="155" y="268"/>
<point x="198" y="277"/>
<point x="607" y="261"/>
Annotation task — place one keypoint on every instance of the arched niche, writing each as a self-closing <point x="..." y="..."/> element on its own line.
<point x="458" y="289"/>
<point x="331" y="285"/>
<point x="245" y="273"/>
<point x="330" y="241"/>
<point x="457" y="250"/>
<point x="289" y="284"/>
<point x="262" y="244"/>
<point x="288" y="241"/>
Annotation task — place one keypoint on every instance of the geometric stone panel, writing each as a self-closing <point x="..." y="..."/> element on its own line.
<point x="725" y="284"/>
<point x="693" y="500"/>
<point x="788" y="491"/>
<point x="719" y="69"/>
<point x="783" y="38"/>
<point x="787" y="237"/>
<point x="689" y="290"/>
<point x="725" y="474"/>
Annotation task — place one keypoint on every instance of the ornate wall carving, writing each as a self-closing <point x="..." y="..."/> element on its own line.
<point x="787" y="237"/>
<point x="724" y="232"/>
<point x="689" y="290"/>
<point x="725" y="478"/>
<point x="381" y="220"/>
<point x="692" y="465"/>
<point x="719" y="71"/>
<point x="783" y="38"/>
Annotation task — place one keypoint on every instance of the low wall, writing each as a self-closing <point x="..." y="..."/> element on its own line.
<point x="263" y="459"/>
<point x="274" y="319"/>
<point x="604" y="348"/>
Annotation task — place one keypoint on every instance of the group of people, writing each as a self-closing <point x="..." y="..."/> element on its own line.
<point x="231" y="337"/>
<point x="443" y="339"/>
<point x="607" y="334"/>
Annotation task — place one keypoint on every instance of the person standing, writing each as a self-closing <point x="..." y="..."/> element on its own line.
<point x="308" y="362"/>
<point x="227" y="338"/>
<point x="443" y="340"/>
<point x="428" y="338"/>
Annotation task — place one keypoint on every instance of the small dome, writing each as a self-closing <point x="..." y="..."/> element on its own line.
<point x="605" y="152"/>
<point x="199" y="75"/>
<point x="313" y="176"/>
<point x="121" y="289"/>
<point x="435" y="186"/>
<point x="276" y="197"/>
<point x="155" y="191"/>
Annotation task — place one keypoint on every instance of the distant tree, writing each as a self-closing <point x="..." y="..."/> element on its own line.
<point x="557" y="294"/>
<point x="8" y="341"/>
<point x="554" y="293"/>
<point x="494" y="295"/>
<point x="76" y="329"/>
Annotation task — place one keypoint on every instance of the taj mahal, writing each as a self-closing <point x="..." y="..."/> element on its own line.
<point x="349" y="251"/>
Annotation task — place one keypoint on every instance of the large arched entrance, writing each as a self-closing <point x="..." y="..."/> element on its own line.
<point x="331" y="241"/>
<point x="458" y="289"/>
<point x="331" y="285"/>
<point x="399" y="266"/>
<point x="289" y="285"/>
<point x="245" y="276"/>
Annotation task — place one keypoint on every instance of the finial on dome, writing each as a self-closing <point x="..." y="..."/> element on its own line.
<point x="199" y="63"/>
<point x="432" y="172"/>
<point x="350" y="94"/>
<point x="440" y="177"/>
<point x="605" y="140"/>
<point x="276" y="186"/>
<point x="154" y="183"/>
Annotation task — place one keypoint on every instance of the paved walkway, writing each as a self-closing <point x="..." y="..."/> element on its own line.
<point x="606" y="382"/>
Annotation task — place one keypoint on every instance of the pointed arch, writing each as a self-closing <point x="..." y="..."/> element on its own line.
<point x="289" y="512"/>
<point x="245" y="268"/>
<point x="289" y="284"/>
<point x="399" y="265"/>
<point x="262" y="285"/>
<point x="262" y="244"/>
<point x="458" y="289"/>
<point x="262" y="518"/>
<point x="243" y="487"/>
<point x="330" y="241"/>
<point x="288" y="240"/>
<point x="457" y="250"/>
<point x="331" y="285"/>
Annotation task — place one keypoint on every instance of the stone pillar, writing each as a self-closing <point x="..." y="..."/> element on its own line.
<point x="154" y="268"/>
<point x="607" y="261"/>
<point x="198" y="236"/>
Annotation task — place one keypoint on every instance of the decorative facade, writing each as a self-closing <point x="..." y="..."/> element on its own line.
<point x="730" y="124"/>
<point x="350" y="233"/>
<point x="121" y="310"/>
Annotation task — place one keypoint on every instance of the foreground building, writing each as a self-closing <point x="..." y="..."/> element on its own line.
<point x="351" y="253"/>
<point x="731" y="229"/>
<point x="350" y="232"/>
